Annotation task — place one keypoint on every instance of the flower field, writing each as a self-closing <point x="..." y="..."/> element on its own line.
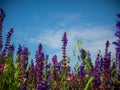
<point x="103" y="74"/>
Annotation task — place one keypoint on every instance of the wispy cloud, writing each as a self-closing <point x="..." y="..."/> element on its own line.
<point x="93" y="37"/>
<point x="48" y="38"/>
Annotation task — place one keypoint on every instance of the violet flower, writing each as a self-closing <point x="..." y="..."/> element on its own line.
<point x="89" y="56"/>
<point x="7" y="42"/>
<point x="43" y="86"/>
<point x="81" y="73"/>
<point x="22" y="54"/>
<point x="97" y="81"/>
<point x="48" y="76"/>
<point x="91" y="72"/>
<point x="56" y="68"/>
<point x="83" y="53"/>
<point x="39" y="64"/>
<point x="2" y="16"/>
<point x="106" y="66"/>
<point x="64" y="40"/>
<point x="117" y="44"/>
<point x="32" y="72"/>
<point x="11" y="50"/>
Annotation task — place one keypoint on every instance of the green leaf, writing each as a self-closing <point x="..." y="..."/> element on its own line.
<point x="101" y="78"/>
<point x="16" y="75"/>
<point x="79" y="43"/>
<point x="79" y="58"/>
<point x="68" y="60"/>
<point x="74" y="52"/>
<point x="77" y="64"/>
<point x="87" y="85"/>
<point x="85" y="55"/>
<point x="87" y="65"/>
<point x="16" y="65"/>
<point x="113" y="71"/>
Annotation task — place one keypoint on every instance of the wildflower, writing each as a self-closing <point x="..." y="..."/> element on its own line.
<point x="11" y="50"/>
<point x="89" y="56"/>
<point x="91" y="70"/>
<point x="72" y="76"/>
<point x="83" y="54"/>
<point x="54" y="60"/>
<point x="117" y="44"/>
<point x="102" y="86"/>
<point x="42" y="86"/>
<point x="96" y="73"/>
<point x="2" y="16"/>
<point x="97" y="80"/>
<point x="7" y="42"/>
<point x="32" y="71"/>
<point x="118" y="25"/>
<point x="87" y="75"/>
<point x="39" y="63"/>
<point x="22" y="54"/>
<point x="81" y="73"/>
<point x="56" y="68"/>
<point x="2" y="67"/>
<point x="48" y="74"/>
<point x="64" y="40"/>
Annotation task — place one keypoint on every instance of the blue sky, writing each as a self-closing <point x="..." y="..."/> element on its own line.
<point x="45" y="21"/>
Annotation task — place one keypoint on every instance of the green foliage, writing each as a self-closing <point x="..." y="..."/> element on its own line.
<point x="88" y="83"/>
<point x="87" y="65"/>
<point x="74" y="52"/>
<point x="10" y="75"/>
<point x="79" y="43"/>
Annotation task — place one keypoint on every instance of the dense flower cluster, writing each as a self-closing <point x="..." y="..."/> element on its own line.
<point x="54" y="74"/>
<point x="117" y="43"/>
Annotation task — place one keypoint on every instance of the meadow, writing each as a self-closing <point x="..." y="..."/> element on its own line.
<point x="103" y="74"/>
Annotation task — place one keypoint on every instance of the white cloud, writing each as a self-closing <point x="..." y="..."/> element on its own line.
<point x="93" y="37"/>
<point x="49" y="38"/>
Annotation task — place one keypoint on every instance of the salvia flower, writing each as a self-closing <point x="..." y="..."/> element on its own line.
<point x="56" y="68"/>
<point x="64" y="40"/>
<point x="7" y="42"/>
<point x="54" y="60"/>
<point x="81" y="73"/>
<point x="2" y="16"/>
<point x="22" y="54"/>
<point x="39" y="64"/>
<point x="42" y="86"/>
<point x="11" y="50"/>
<point x="32" y="71"/>
<point x="48" y="74"/>
<point x="96" y="74"/>
<point x="117" y="44"/>
<point x="97" y="81"/>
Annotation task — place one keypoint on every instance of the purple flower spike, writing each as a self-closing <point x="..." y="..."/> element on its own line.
<point x="117" y="44"/>
<point x="25" y="51"/>
<point x="39" y="64"/>
<point x="54" y="60"/>
<point x="118" y="26"/>
<point x="2" y="16"/>
<point x="117" y="34"/>
<point x="64" y="40"/>
<point x="81" y="73"/>
<point x="11" y="50"/>
<point x="2" y="13"/>
<point x="118" y="15"/>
